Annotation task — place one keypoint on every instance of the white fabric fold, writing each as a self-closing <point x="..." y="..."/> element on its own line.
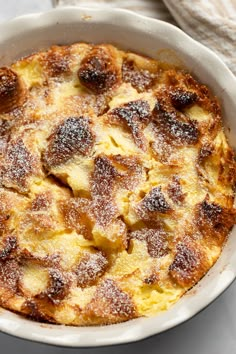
<point x="211" y="22"/>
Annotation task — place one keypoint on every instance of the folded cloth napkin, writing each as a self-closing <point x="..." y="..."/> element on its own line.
<point x="211" y="22"/>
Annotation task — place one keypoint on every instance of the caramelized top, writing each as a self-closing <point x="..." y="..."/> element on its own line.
<point x="73" y="136"/>
<point x="11" y="90"/>
<point x="98" y="71"/>
<point x="116" y="185"/>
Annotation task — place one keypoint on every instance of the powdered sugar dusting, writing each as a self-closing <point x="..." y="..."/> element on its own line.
<point x="19" y="165"/>
<point x="155" y="201"/>
<point x="73" y="136"/>
<point x="156" y="239"/>
<point x="103" y="177"/>
<point x="174" y="190"/>
<point x="186" y="259"/>
<point x="103" y="184"/>
<point x="135" y="115"/>
<point x="211" y="211"/>
<point x="174" y="130"/>
<point x="98" y="71"/>
<point x="139" y="78"/>
<point x="111" y="301"/>
<point x="188" y="264"/>
<point x="58" y="286"/>
<point x="11" y="91"/>
<point x="10" y="244"/>
<point x="182" y="99"/>
<point x="91" y="267"/>
<point x="9" y="274"/>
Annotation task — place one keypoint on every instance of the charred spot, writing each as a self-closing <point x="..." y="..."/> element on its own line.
<point x="73" y="136"/>
<point x="98" y="70"/>
<point x="173" y="130"/>
<point x="156" y="240"/>
<point x="11" y="90"/>
<point x="111" y="304"/>
<point x="155" y="201"/>
<point x="181" y="99"/>
<point x="9" y="246"/>
<point x="19" y="164"/>
<point x="91" y="267"/>
<point x="140" y="79"/>
<point x="136" y="115"/>
<point x="189" y="265"/>
<point x="175" y="192"/>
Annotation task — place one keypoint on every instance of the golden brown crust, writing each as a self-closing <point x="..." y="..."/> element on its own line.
<point x="175" y="191"/>
<point x="135" y="115"/>
<point x="116" y="185"/>
<point x="140" y="79"/>
<point x="76" y="215"/>
<point x="110" y="304"/>
<point x="91" y="267"/>
<point x="98" y="71"/>
<point x="189" y="265"/>
<point x="156" y="240"/>
<point x="214" y="221"/>
<point x="175" y="130"/>
<point x="9" y="246"/>
<point x="9" y="275"/>
<point x="57" y="288"/>
<point x="57" y="61"/>
<point x="18" y="167"/>
<point x="71" y="137"/>
<point x="12" y="92"/>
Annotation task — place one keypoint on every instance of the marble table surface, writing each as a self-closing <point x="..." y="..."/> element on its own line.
<point x="213" y="331"/>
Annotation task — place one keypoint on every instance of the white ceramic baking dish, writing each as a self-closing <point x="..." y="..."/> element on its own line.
<point x="127" y="30"/>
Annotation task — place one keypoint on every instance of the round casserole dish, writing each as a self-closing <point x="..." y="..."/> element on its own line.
<point x="126" y="30"/>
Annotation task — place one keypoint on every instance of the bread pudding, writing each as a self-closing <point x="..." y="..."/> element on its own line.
<point x="116" y="185"/>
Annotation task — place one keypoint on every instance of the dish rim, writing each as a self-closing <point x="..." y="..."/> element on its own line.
<point x="141" y="328"/>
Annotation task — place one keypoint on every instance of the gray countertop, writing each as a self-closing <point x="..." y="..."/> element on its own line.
<point x="213" y="331"/>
